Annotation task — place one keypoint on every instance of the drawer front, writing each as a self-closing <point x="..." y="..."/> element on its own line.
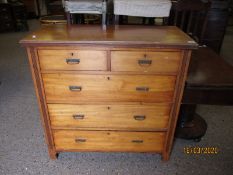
<point x="113" y="88"/>
<point x="154" y="62"/>
<point x="72" y="60"/>
<point x="108" y="141"/>
<point x="143" y="117"/>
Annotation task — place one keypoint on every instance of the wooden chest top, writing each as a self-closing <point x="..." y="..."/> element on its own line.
<point x="152" y="36"/>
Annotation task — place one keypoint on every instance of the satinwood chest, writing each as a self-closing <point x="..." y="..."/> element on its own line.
<point x="113" y="90"/>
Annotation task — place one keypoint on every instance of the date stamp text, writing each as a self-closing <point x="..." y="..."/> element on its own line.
<point x="201" y="150"/>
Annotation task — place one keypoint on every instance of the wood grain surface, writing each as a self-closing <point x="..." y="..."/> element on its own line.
<point x="139" y="36"/>
<point x="112" y="88"/>
<point x="108" y="141"/>
<point x="85" y="59"/>
<point x="109" y="117"/>
<point x="166" y="62"/>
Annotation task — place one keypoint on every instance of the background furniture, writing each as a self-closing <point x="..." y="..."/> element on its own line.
<point x="20" y="16"/>
<point x="217" y="20"/>
<point x="209" y="78"/>
<point x="85" y="7"/>
<point x="13" y="17"/>
<point x="55" y="7"/>
<point x="216" y="23"/>
<point x="53" y="19"/>
<point x="191" y="17"/>
<point x="147" y="9"/>
<point x="210" y="81"/>
<point x="32" y="8"/>
<point x="6" y="18"/>
<point x="109" y="90"/>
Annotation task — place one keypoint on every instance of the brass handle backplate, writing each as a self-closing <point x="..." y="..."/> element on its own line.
<point x="137" y="141"/>
<point x="139" y="117"/>
<point x="80" y="140"/>
<point x="143" y="89"/>
<point x="75" y="88"/>
<point x="78" y="116"/>
<point x="72" y="61"/>
<point x="144" y="62"/>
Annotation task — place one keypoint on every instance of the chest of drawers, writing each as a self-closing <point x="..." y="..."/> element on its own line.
<point x="114" y="90"/>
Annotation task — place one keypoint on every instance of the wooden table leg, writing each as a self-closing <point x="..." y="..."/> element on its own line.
<point x="190" y="125"/>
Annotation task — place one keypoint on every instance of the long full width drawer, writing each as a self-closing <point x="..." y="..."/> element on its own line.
<point x="108" y="141"/>
<point x="103" y="88"/>
<point x="154" y="62"/>
<point x="111" y="117"/>
<point x="72" y="60"/>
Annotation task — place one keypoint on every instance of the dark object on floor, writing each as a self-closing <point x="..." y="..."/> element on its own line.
<point x="190" y="124"/>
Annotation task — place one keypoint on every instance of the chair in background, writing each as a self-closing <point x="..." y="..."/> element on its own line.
<point x="54" y="7"/>
<point x="191" y="17"/>
<point x="85" y="7"/>
<point x="138" y="8"/>
<point x="210" y="78"/>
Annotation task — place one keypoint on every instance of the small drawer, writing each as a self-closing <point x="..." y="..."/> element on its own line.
<point x="66" y="140"/>
<point x="72" y="60"/>
<point x="153" y="62"/>
<point x="75" y="88"/>
<point x="110" y="117"/>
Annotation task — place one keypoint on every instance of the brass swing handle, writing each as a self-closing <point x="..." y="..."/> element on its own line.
<point x="137" y="141"/>
<point x="75" y="88"/>
<point x="72" y="61"/>
<point x="140" y="117"/>
<point x="142" y="89"/>
<point x="80" y="140"/>
<point x="78" y="116"/>
<point x="144" y="62"/>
